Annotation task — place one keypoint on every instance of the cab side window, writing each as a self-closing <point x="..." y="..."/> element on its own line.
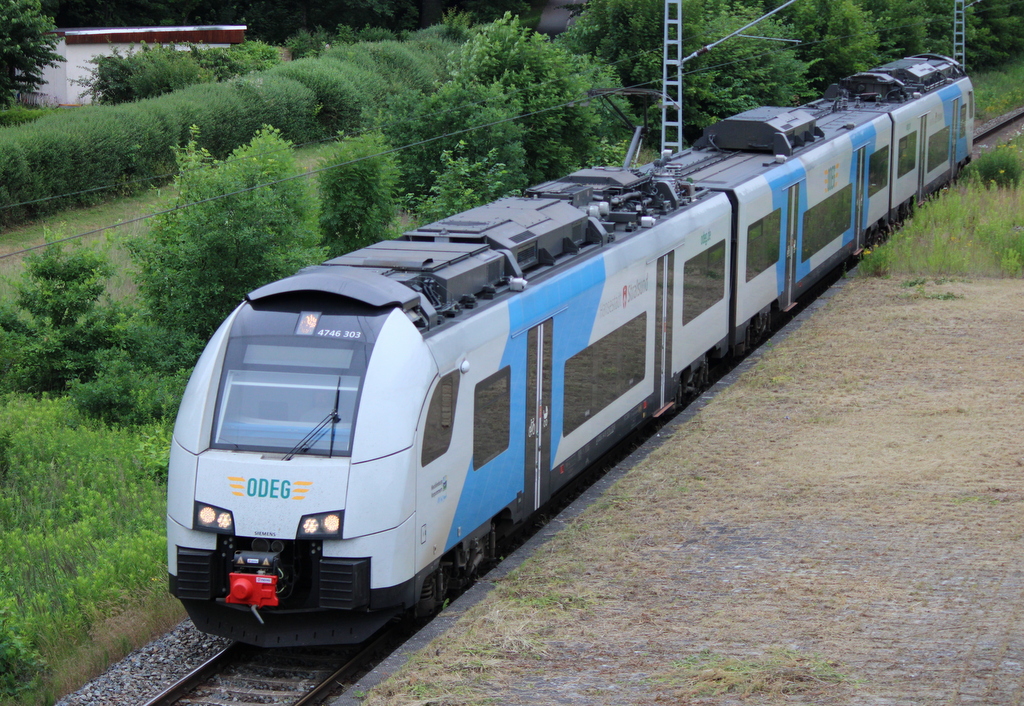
<point x="437" y="431"/>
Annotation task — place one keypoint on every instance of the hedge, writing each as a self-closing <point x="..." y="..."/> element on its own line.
<point x="80" y="155"/>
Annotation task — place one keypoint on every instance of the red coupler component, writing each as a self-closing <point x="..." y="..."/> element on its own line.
<point x="253" y="589"/>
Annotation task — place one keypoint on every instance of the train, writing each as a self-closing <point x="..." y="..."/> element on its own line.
<point x="357" y="439"/>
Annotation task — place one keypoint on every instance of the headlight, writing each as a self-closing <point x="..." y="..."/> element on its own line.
<point x="210" y="518"/>
<point x="322" y="524"/>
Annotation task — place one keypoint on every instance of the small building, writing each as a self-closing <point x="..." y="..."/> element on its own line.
<point x="79" y="45"/>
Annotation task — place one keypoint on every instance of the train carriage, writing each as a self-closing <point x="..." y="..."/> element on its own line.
<point x="357" y="438"/>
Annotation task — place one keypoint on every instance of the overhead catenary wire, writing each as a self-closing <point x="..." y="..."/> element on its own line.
<point x="325" y="140"/>
<point x="455" y="133"/>
<point x="464" y="106"/>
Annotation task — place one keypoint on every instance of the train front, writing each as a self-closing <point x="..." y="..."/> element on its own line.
<point x="291" y="484"/>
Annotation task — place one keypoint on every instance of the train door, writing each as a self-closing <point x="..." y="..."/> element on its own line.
<point x="538" y="414"/>
<point x="792" y="220"/>
<point x="858" y="199"/>
<point x="922" y="154"/>
<point x="663" y="331"/>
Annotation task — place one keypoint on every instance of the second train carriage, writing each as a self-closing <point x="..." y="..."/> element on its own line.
<point x="355" y="437"/>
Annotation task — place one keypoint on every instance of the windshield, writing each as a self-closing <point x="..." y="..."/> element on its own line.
<point x="294" y="393"/>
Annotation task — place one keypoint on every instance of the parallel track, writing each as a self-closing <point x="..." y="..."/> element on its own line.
<point x="996" y="124"/>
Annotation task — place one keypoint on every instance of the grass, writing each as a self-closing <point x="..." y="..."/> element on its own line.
<point x="82" y="536"/>
<point x="998" y="92"/>
<point x="778" y="671"/>
<point x="973" y="229"/>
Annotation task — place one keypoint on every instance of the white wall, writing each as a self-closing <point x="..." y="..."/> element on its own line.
<point x="58" y="88"/>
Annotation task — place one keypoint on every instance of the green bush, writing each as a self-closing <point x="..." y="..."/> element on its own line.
<point x="19" y="665"/>
<point x="386" y="69"/>
<point x="406" y="63"/>
<point x="237" y="60"/>
<point x="340" y="104"/>
<point x="157" y="69"/>
<point x="461" y="185"/>
<point x="1000" y="167"/>
<point x="480" y="116"/>
<point x="359" y="191"/>
<point x="375" y="34"/>
<point x="19" y="115"/>
<point x="280" y="102"/>
<point x="81" y="155"/>
<point x="196" y="263"/>
<point x="61" y="327"/>
<point x="545" y="80"/>
<point x="15" y="182"/>
<point x="127" y="392"/>
<point x="305" y="44"/>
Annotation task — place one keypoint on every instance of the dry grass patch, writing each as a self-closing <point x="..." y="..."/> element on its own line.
<point x="780" y="672"/>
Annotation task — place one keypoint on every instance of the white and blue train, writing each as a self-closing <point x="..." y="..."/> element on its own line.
<point x="356" y="438"/>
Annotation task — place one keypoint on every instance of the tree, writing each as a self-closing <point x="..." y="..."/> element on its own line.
<point x="545" y="80"/>
<point x="61" y="327"/>
<point x="359" y="189"/>
<point x="840" y="38"/>
<point x="200" y="259"/>
<point x="481" y="117"/>
<point x="739" y="74"/>
<point x="25" y="47"/>
<point x="462" y="185"/>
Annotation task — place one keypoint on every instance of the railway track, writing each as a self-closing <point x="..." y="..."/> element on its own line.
<point x="991" y="131"/>
<point x="241" y="675"/>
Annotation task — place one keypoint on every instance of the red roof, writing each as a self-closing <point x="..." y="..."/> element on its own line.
<point x="213" y="34"/>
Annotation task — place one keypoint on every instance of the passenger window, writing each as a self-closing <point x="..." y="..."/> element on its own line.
<point x="763" y="243"/>
<point x="878" y="171"/>
<point x="604" y="371"/>
<point x="963" y="121"/>
<point x="826" y="221"/>
<point x="970" y="102"/>
<point x="437" y="430"/>
<point x="938" y="149"/>
<point x="491" y="413"/>
<point x="703" y="281"/>
<point x="907" y="158"/>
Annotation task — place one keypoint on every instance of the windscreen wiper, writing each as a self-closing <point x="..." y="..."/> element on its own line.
<point x="306" y="442"/>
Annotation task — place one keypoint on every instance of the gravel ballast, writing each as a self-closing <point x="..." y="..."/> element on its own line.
<point x="149" y="670"/>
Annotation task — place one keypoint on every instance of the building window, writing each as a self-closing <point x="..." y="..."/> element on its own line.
<point x="604" y="371"/>
<point x="491" y="412"/>
<point x="437" y="430"/>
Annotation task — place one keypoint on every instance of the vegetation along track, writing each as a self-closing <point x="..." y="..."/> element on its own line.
<point x="241" y="675"/>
